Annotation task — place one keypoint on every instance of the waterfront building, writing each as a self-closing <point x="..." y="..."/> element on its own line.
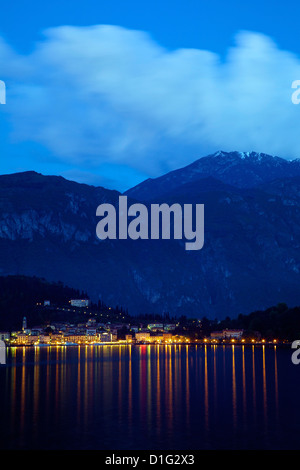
<point x="156" y="326"/>
<point x="235" y="334"/>
<point x="80" y="302"/>
<point x="75" y="338"/>
<point x="167" y="336"/>
<point x="56" y="338"/>
<point x="143" y="336"/>
<point x="36" y="330"/>
<point x="91" y="331"/>
<point x="134" y="328"/>
<point x="45" y="339"/>
<point x="169" y="327"/>
<point x="217" y="335"/>
<point x="21" y="338"/>
<point x="4" y="335"/>
<point x="157" y="338"/>
<point x="227" y="334"/>
<point x="32" y="339"/>
<point x="105" y="337"/>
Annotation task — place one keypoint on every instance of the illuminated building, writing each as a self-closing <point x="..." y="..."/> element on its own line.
<point x="142" y="336"/>
<point x="80" y="302"/>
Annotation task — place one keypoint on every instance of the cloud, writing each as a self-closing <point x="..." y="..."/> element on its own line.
<point x="104" y="97"/>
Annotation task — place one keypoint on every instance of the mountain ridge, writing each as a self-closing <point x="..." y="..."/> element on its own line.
<point x="250" y="258"/>
<point x="245" y="166"/>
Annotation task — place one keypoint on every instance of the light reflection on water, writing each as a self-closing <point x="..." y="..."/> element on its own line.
<point x="149" y="397"/>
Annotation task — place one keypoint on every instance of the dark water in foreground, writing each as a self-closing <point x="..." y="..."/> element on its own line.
<point x="150" y="397"/>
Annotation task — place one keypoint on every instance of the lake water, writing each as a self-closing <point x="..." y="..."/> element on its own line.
<point x="150" y="397"/>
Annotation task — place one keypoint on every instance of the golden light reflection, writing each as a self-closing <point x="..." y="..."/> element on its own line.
<point x="276" y="385"/>
<point x="244" y="384"/>
<point x="206" y="401"/>
<point x="253" y="382"/>
<point x="57" y="385"/>
<point x="147" y="385"/>
<point x="234" y="403"/>
<point x="187" y="385"/>
<point x="169" y="386"/>
<point x="78" y="384"/>
<point x="265" y="402"/>
<point x="130" y="384"/>
<point x="36" y="385"/>
<point x="158" y="392"/>
<point x="120" y="383"/>
<point x="215" y="379"/>
<point x="13" y="388"/>
<point x="23" y="392"/>
<point x="142" y="383"/>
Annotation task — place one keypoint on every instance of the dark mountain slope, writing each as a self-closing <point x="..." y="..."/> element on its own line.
<point x="239" y="169"/>
<point x="250" y="259"/>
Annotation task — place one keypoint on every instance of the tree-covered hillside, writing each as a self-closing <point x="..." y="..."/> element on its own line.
<point x="24" y="296"/>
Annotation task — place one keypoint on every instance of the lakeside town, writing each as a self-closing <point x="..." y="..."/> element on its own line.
<point x="92" y="331"/>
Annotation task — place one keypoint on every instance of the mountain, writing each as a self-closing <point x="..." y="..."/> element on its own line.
<point x="238" y="169"/>
<point x="48" y="230"/>
<point x="250" y="259"/>
<point x="23" y="296"/>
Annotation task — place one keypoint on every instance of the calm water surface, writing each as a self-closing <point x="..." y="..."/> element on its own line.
<point x="150" y="397"/>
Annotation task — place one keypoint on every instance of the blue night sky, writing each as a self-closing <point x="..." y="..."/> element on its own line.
<point x="113" y="92"/>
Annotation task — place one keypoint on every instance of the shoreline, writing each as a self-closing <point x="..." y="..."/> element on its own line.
<point x="173" y="343"/>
